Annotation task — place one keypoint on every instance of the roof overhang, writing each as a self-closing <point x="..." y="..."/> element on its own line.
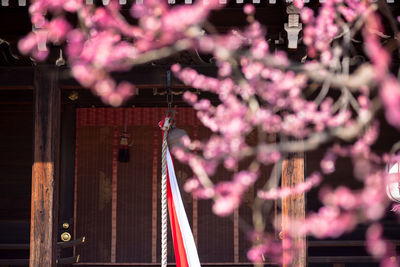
<point x="125" y="2"/>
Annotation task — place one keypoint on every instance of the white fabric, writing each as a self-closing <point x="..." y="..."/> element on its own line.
<point x="187" y="236"/>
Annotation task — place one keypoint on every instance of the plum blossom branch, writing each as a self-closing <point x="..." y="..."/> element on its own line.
<point x="284" y="192"/>
<point x="326" y="100"/>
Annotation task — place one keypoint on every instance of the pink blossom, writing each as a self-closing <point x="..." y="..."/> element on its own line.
<point x="224" y="206"/>
<point x="75" y="39"/>
<point x="38" y="20"/>
<point x="191" y="185"/>
<point x="307" y="15"/>
<point x="204" y="193"/>
<point x="328" y="163"/>
<point x="329" y="222"/>
<point x="348" y="13"/>
<point x="396" y="208"/>
<point x="229" y="193"/>
<point x="379" y="56"/>
<point x="298" y="3"/>
<point x="40" y="54"/>
<point x="72" y="5"/>
<point x="274" y="193"/>
<point x="104" y="88"/>
<point x="58" y="29"/>
<point x="190" y="97"/>
<point x="268" y="249"/>
<point x="245" y="178"/>
<point x="125" y="90"/>
<point x="248" y="9"/>
<point x="225" y="69"/>
<point x="268" y="157"/>
<point x="86" y="75"/>
<point x="102" y="17"/>
<point x="380" y="248"/>
<point x="35" y="43"/>
<point x="181" y="17"/>
<point x="256" y="254"/>
<point x="27" y="44"/>
<point x="114" y="99"/>
<point x="390" y="95"/>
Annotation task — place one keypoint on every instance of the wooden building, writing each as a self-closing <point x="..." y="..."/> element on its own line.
<point x="59" y="144"/>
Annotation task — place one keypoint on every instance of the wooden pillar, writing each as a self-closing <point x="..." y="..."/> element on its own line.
<point x="293" y="207"/>
<point x="45" y="168"/>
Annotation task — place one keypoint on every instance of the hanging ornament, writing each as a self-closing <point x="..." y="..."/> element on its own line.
<point x="393" y="187"/>
<point x="123" y="151"/>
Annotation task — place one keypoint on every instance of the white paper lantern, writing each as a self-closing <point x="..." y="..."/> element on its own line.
<point x="392" y="189"/>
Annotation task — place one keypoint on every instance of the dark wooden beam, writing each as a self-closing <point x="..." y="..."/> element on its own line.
<point x="6" y="262"/>
<point x="45" y="167"/>
<point x="21" y="78"/>
<point x="16" y="78"/>
<point x="293" y="207"/>
<point x="14" y="246"/>
<point x="341" y="259"/>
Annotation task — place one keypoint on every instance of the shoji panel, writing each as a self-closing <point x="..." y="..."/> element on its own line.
<point x="134" y="205"/>
<point x="93" y="191"/>
<point x="215" y="241"/>
<point x="117" y="204"/>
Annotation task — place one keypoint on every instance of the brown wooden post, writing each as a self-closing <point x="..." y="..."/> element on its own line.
<point x="45" y="168"/>
<point x="293" y="207"/>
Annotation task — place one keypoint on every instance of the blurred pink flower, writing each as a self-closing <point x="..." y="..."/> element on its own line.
<point x="390" y="95"/>
<point x="58" y="29"/>
<point x="248" y="9"/>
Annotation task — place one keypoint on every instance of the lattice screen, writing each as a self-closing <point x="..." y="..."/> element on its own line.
<point x="117" y="204"/>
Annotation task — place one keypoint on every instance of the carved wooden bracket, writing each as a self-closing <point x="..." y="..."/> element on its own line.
<point x="293" y="27"/>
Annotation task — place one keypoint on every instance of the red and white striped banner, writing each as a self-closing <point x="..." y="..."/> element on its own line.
<point x="184" y="245"/>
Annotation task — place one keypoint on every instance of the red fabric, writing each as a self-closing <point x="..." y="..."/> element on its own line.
<point x="179" y="247"/>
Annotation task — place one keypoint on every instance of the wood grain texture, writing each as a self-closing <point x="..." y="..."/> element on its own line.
<point x="45" y="168"/>
<point x="293" y="207"/>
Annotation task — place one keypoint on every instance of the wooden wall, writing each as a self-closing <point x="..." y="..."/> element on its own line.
<point x="16" y="113"/>
<point x="15" y="160"/>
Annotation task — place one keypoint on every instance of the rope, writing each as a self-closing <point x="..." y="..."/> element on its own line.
<point x="164" y="201"/>
<point x="164" y="204"/>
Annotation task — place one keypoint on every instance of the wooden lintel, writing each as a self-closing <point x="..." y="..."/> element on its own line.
<point x="21" y="78"/>
<point x="293" y="208"/>
<point x="45" y="168"/>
